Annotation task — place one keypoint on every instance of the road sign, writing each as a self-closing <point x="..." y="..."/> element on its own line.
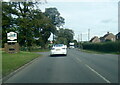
<point x="11" y="36"/>
<point x="11" y="46"/>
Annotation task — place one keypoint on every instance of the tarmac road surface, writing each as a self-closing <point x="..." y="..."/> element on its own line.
<point x="76" y="67"/>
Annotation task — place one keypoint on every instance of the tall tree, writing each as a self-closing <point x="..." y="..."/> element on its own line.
<point x="64" y="36"/>
<point x="7" y="20"/>
<point x="43" y="27"/>
<point x="55" y="17"/>
<point x="27" y="21"/>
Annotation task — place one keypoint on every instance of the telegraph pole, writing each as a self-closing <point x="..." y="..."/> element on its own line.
<point x="78" y="37"/>
<point x="81" y="42"/>
<point x="81" y="37"/>
<point x="78" y="42"/>
<point x="88" y="34"/>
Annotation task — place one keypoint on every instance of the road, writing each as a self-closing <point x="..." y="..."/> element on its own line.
<point x="76" y="67"/>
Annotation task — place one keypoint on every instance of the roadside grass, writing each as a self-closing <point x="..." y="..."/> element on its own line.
<point x="11" y="62"/>
<point x="98" y="52"/>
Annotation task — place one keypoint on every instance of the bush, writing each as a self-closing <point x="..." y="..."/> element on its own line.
<point x="103" y="47"/>
<point x="31" y="48"/>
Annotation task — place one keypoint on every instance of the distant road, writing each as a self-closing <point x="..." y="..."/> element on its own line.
<point x="76" y="67"/>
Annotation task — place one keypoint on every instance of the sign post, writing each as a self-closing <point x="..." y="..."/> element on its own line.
<point x="11" y="46"/>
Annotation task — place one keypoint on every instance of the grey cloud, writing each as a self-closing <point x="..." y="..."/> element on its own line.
<point x="109" y="21"/>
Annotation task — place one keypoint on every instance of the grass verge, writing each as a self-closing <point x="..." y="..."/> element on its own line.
<point x="98" y="52"/>
<point x="11" y="62"/>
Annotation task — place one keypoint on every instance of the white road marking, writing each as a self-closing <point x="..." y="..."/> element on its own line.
<point x="78" y="59"/>
<point x="98" y="74"/>
<point x="94" y="71"/>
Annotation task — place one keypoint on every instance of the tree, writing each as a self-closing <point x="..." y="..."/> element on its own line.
<point x="75" y="43"/>
<point x="28" y="22"/>
<point x="64" y="36"/>
<point x="7" y="20"/>
<point x="42" y="27"/>
<point x="55" y="17"/>
<point x="62" y="40"/>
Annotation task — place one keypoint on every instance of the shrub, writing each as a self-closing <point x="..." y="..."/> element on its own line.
<point x="103" y="47"/>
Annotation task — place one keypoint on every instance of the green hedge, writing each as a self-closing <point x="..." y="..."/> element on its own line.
<point x="103" y="47"/>
<point x="34" y="49"/>
<point x="29" y="48"/>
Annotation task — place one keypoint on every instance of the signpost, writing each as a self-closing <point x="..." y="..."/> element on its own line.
<point x="12" y="36"/>
<point x="12" y="46"/>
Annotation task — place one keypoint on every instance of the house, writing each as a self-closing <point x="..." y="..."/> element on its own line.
<point x="118" y="36"/>
<point x="108" y="37"/>
<point x="101" y="39"/>
<point x="95" y="39"/>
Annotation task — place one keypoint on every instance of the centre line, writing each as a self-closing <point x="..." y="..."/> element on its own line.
<point x="79" y="60"/>
<point x="98" y="74"/>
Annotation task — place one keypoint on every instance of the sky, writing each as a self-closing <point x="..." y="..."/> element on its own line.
<point x="100" y="16"/>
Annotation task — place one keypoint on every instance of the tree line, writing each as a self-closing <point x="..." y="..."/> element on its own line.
<point x="33" y="26"/>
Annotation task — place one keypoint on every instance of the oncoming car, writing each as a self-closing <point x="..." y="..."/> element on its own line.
<point x="59" y="49"/>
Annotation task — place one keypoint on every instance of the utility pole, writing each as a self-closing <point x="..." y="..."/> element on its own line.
<point x="78" y="42"/>
<point x="88" y="34"/>
<point x="81" y="37"/>
<point x="81" y="42"/>
<point x="78" y="37"/>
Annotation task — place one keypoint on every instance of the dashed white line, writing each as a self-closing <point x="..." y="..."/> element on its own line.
<point x="98" y="74"/>
<point x="95" y="71"/>
<point x="78" y="59"/>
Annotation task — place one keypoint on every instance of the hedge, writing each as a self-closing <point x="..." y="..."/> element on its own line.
<point x="103" y="47"/>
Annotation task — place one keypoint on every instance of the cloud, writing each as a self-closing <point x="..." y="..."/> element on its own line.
<point x="109" y="21"/>
<point x="106" y="21"/>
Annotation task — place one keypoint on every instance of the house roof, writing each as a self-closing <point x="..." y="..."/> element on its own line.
<point x="107" y="35"/>
<point x="93" y="38"/>
<point x="118" y="34"/>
